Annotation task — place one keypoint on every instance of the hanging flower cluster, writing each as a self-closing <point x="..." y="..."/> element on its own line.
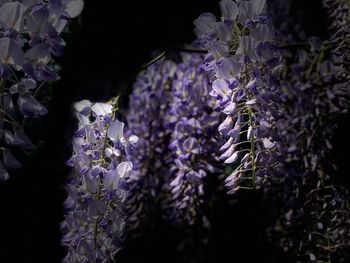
<point x="284" y="110"/>
<point x="172" y="113"/>
<point x="194" y="141"/>
<point x="29" y="39"/>
<point x="95" y="208"/>
<point x="246" y="61"/>
<point x="266" y="88"/>
<point x="149" y="104"/>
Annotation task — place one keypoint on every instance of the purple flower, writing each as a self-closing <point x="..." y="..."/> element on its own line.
<point x="30" y="107"/>
<point x="29" y="40"/>
<point x="148" y="107"/>
<point x="95" y="208"/>
<point x="194" y="139"/>
<point x="246" y="68"/>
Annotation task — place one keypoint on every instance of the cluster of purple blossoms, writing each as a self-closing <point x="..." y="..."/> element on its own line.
<point x="194" y="138"/>
<point x="95" y="211"/>
<point x="282" y="110"/>
<point x="269" y="90"/>
<point x="172" y="113"/>
<point x="148" y="107"/>
<point x="29" y="39"/>
<point x="243" y="54"/>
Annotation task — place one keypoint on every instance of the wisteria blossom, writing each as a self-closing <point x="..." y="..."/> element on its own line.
<point x="243" y="54"/>
<point x="253" y="103"/>
<point x="288" y="113"/>
<point x="97" y="189"/>
<point x="148" y="107"/>
<point x="194" y="140"/>
<point x="30" y="39"/>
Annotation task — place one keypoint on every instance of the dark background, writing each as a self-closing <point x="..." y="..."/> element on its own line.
<point x="105" y="51"/>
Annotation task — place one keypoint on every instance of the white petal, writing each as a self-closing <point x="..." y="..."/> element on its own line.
<point x="124" y="169"/>
<point x="268" y="144"/>
<point x="229" y="9"/>
<point x="115" y="130"/>
<point x="102" y="109"/>
<point x="232" y="159"/>
<point x="81" y="105"/>
<point x="74" y="7"/>
<point x="111" y="180"/>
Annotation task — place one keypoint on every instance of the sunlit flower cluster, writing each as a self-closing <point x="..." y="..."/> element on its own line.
<point x="97" y="189"/>
<point x="246" y="61"/>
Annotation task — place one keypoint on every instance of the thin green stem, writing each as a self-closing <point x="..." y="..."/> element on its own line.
<point x="102" y="161"/>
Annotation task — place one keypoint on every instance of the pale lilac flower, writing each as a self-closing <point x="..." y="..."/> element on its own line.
<point x="95" y="208"/>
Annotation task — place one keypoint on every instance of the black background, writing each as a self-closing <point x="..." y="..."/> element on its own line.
<point x="102" y="54"/>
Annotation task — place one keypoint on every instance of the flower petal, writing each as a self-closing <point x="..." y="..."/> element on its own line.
<point x="102" y="109"/>
<point x="124" y="169"/>
<point x="229" y="9"/>
<point x="30" y="107"/>
<point x="116" y="130"/>
<point x="10" y="161"/>
<point x="11" y="15"/>
<point x="74" y="7"/>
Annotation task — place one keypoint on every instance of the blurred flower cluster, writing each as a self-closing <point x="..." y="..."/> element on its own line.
<point x="30" y="38"/>
<point x="178" y="140"/>
<point x="315" y="87"/>
<point x="149" y="104"/>
<point x="194" y="142"/>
